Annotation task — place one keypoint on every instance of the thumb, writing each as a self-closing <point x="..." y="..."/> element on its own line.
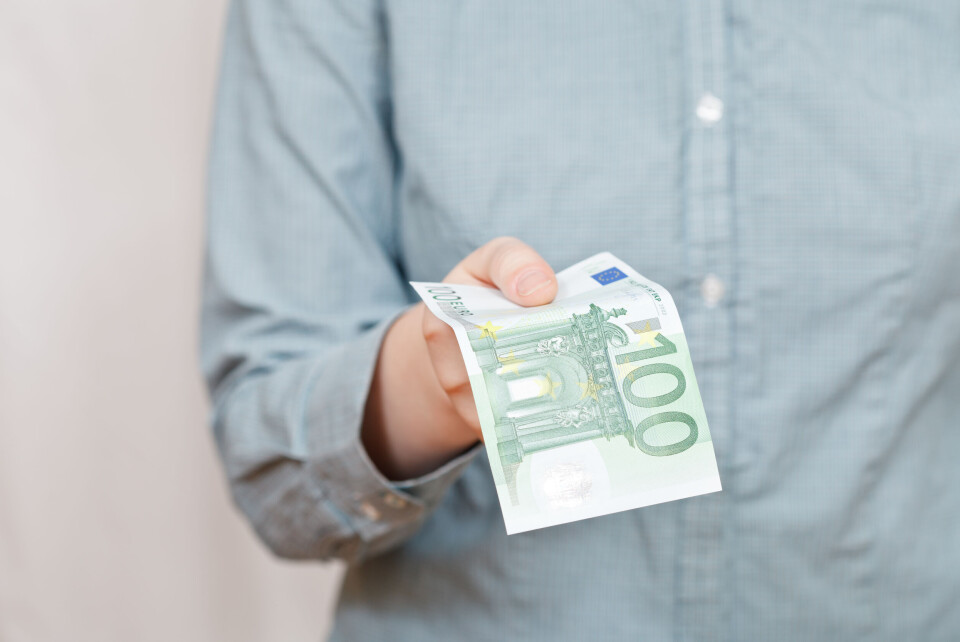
<point x="513" y="267"/>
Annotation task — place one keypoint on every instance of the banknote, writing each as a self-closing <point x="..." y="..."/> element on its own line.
<point x="588" y="405"/>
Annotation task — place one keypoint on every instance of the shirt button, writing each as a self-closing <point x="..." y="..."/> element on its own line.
<point x="370" y="511"/>
<point x="394" y="501"/>
<point x="712" y="290"/>
<point x="709" y="109"/>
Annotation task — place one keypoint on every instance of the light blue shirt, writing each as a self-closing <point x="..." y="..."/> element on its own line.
<point x="790" y="171"/>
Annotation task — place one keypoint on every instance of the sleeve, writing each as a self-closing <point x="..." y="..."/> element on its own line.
<point x="301" y="277"/>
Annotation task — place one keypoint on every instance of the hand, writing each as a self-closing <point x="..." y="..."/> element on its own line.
<point x="420" y="412"/>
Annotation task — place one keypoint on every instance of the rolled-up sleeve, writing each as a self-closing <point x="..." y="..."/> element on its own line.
<point x="302" y="279"/>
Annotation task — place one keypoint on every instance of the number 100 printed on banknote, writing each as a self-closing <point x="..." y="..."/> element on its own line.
<point x="588" y="405"/>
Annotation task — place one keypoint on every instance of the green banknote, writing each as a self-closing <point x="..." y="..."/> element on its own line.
<point x="588" y="405"/>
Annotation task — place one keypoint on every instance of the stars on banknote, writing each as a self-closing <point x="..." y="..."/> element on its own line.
<point x="647" y="335"/>
<point x="511" y="364"/>
<point x="548" y="386"/>
<point x="590" y="388"/>
<point x="489" y="330"/>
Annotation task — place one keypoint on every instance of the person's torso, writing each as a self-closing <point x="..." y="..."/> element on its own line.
<point x="790" y="172"/>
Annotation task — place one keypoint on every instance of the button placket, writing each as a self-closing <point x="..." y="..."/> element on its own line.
<point x="708" y="221"/>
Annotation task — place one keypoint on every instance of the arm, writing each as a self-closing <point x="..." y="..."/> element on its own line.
<point x="301" y="183"/>
<point x="302" y="287"/>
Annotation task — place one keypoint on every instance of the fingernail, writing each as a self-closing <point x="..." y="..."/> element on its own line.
<point x="530" y="282"/>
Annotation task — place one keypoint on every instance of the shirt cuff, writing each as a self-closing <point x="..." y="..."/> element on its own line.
<point x="377" y="509"/>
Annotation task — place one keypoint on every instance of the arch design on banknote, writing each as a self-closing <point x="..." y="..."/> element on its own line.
<point x="552" y="384"/>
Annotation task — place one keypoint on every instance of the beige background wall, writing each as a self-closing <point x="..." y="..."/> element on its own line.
<point x="114" y="520"/>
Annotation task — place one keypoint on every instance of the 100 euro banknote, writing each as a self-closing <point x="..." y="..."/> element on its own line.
<point x="588" y="405"/>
